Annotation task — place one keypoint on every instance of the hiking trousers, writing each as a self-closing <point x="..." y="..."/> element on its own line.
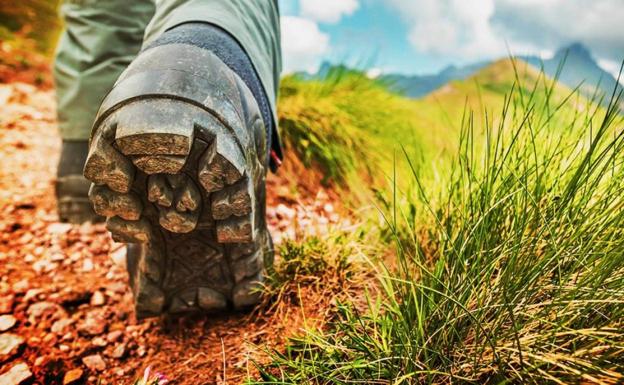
<point x="102" y="37"/>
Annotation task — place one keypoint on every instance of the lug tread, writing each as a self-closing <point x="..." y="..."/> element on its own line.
<point x="191" y="210"/>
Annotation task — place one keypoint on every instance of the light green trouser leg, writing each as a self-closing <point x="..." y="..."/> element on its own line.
<point x="103" y="36"/>
<point x="253" y="23"/>
<point x="100" y="40"/>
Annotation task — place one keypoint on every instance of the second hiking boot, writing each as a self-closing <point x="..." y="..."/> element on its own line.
<point x="177" y="159"/>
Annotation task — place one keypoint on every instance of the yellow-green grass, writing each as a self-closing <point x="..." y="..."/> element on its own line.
<point x="510" y="262"/>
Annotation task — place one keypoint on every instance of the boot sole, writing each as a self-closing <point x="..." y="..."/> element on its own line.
<point x="170" y="177"/>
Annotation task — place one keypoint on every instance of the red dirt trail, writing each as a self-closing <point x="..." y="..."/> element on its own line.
<point x="65" y="307"/>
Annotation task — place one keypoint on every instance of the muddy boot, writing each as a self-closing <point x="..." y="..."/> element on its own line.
<point x="178" y="163"/>
<point x="72" y="188"/>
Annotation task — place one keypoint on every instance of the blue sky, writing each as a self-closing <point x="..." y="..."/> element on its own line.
<point x="424" y="36"/>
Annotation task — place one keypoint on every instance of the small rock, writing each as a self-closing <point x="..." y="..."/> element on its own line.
<point x="141" y="351"/>
<point x="18" y="374"/>
<point x="10" y="345"/>
<point x="39" y="361"/>
<point x="7" y="321"/>
<point x="98" y="299"/>
<point x="59" y="228"/>
<point x="99" y="341"/>
<point x="63" y="348"/>
<point x="31" y="294"/>
<point x="94" y="324"/>
<point x="45" y="309"/>
<point x="49" y="338"/>
<point x="21" y="286"/>
<point x="114" y="336"/>
<point x="61" y="326"/>
<point x="6" y="304"/>
<point x="283" y="211"/>
<point x="75" y="257"/>
<point x="119" y="351"/>
<point x="37" y="309"/>
<point x="87" y="265"/>
<point x="94" y="362"/>
<point x="72" y="377"/>
<point x="45" y="266"/>
<point x="119" y="256"/>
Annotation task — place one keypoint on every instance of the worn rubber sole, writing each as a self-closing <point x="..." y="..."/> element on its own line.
<point x="170" y="177"/>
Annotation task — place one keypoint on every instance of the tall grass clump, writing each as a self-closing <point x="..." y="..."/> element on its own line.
<point x="336" y="122"/>
<point x="511" y="272"/>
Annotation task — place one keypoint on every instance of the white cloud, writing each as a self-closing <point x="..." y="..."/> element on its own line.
<point x="451" y="27"/>
<point x="598" y="24"/>
<point x="490" y="28"/>
<point x="374" y="73"/>
<point x="327" y="11"/>
<point x="612" y="67"/>
<point x="303" y="44"/>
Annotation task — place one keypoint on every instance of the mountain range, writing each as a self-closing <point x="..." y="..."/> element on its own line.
<point x="579" y="70"/>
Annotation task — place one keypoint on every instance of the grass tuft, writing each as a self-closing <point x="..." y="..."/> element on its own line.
<point x="334" y="122"/>
<point x="509" y="268"/>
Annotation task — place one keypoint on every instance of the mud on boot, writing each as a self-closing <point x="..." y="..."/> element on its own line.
<point x="177" y="159"/>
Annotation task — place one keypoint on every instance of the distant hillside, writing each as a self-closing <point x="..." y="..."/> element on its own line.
<point x="488" y="86"/>
<point x="579" y="67"/>
<point x="417" y="86"/>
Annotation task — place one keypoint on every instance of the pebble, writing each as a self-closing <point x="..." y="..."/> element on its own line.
<point x="61" y="326"/>
<point x="98" y="299"/>
<point x="44" y="308"/>
<point x="10" y="344"/>
<point x="21" y="286"/>
<point x="7" y="321"/>
<point x="45" y="266"/>
<point x="114" y="336"/>
<point x="18" y="374"/>
<point x="73" y="376"/>
<point x="59" y="228"/>
<point x="94" y="324"/>
<point x="284" y="211"/>
<point x="87" y="265"/>
<point x="6" y="304"/>
<point x="119" y="256"/>
<point x="119" y="351"/>
<point x="94" y="362"/>
<point x="31" y="294"/>
<point x="99" y="341"/>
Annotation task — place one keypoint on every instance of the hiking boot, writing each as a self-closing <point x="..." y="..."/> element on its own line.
<point x="177" y="159"/>
<point x="71" y="187"/>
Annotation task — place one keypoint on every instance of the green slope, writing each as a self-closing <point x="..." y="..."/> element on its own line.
<point x="349" y="125"/>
